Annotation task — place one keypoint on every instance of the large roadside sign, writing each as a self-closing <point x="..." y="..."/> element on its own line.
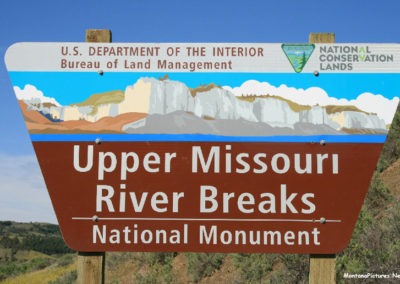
<point x="206" y="147"/>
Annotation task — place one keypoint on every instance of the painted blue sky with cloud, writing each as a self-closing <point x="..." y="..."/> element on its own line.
<point x="74" y="87"/>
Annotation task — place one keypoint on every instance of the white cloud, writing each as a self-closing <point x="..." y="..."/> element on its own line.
<point x="378" y="104"/>
<point x="23" y="194"/>
<point x="383" y="107"/>
<point x="30" y="92"/>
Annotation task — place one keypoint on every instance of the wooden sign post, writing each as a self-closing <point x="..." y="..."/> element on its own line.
<point x="322" y="266"/>
<point x="91" y="264"/>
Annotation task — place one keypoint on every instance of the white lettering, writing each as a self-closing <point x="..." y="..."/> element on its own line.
<point x="213" y="158"/>
<point x="111" y="160"/>
<point x="213" y="236"/>
<point x="217" y="159"/>
<point x="104" y="194"/>
<point x="207" y="195"/>
<point x="89" y="160"/>
<point x="286" y="163"/>
<point x="287" y="202"/>
<point x="247" y="203"/>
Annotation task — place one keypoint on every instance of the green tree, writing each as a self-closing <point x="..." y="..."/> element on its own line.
<point x="302" y="61"/>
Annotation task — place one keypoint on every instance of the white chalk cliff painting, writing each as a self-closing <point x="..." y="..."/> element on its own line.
<point x="152" y="105"/>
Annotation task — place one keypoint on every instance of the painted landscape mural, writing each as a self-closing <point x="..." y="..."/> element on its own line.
<point x="163" y="105"/>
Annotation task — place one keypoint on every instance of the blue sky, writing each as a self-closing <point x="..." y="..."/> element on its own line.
<point x="23" y="195"/>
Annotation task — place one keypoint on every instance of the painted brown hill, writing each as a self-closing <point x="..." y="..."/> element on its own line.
<point x="31" y="115"/>
<point x="37" y="123"/>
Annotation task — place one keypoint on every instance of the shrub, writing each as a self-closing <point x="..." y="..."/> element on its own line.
<point x="253" y="267"/>
<point x="67" y="278"/>
<point x="65" y="260"/>
<point x="158" y="268"/>
<point x="201" y="265"/>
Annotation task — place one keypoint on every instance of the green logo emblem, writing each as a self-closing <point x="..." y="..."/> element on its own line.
<point x="298" y="54"/>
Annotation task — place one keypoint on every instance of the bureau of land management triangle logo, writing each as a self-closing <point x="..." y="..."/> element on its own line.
<point x="298" y="54"/>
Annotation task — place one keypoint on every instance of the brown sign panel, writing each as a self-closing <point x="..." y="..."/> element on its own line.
<point x="226" y="197"/>
<point x="207" y="147"/>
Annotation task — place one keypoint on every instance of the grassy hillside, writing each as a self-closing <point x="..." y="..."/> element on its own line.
<point x="111" y="97"/>
<point x="55" y="274"/>
<point x="28" y="249"/>
<point x="202" y="88"/>
<point x="294" y="106"/>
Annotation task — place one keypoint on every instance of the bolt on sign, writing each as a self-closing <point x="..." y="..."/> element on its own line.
<point x="206" y="147"/>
